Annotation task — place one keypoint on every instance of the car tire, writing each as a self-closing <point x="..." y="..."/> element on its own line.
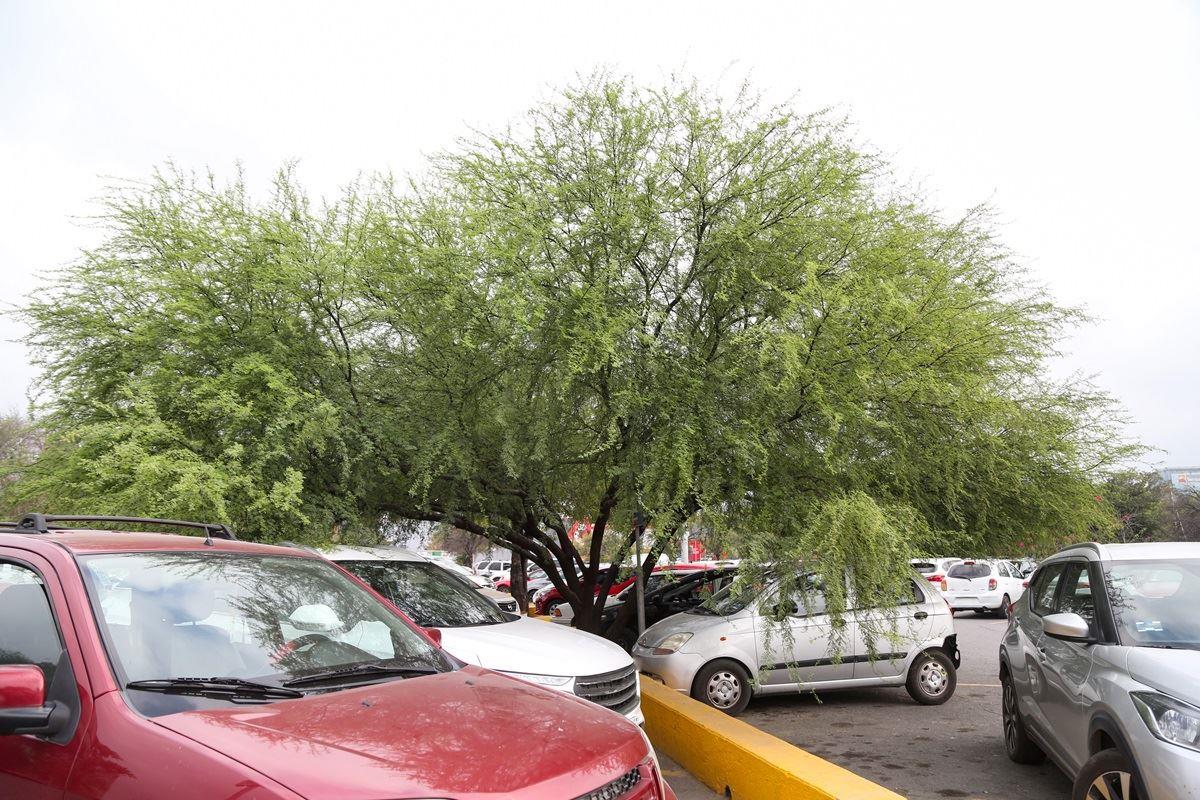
<point x="1115" y="771"/>
<point x="724" y="685"/>
<point x="1002" y="611"/>
<point x="1020" y="748"/>
<point x="932" y="678"/>
<point x="553" y="604"/>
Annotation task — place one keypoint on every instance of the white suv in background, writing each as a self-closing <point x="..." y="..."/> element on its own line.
<point x="476" y="631"/>
<point x="985" y="587"/>
<point x="493" y="570"/>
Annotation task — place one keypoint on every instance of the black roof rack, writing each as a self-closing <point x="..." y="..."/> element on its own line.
<point x="44" y="523"/>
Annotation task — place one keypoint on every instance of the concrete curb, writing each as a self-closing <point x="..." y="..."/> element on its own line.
<point x="735" y="758"/>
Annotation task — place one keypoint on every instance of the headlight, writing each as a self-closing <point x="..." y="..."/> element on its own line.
<point x="654" y="765"/>
<point x="540" y="680"/>
<point x="1169" y="719"/>
<point x="671" y="644"/>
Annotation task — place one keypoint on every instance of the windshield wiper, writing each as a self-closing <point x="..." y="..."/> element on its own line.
<point x="232" y="688"/>
<point x="358" y="670"/>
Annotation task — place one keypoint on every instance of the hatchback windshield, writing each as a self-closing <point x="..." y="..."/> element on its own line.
<point x="1154" y="602"/>
<point x="267" y="619"/>
<point x="969" y="571"/>
<point x="427" y="594"/>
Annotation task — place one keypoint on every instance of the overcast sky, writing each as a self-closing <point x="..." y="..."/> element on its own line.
<point x="1078" y="122"/>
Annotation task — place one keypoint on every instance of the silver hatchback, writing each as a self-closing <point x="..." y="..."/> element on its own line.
<point x="1100" y="668"/>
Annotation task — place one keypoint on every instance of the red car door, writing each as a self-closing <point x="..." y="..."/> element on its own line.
<point x="35" y="629"/>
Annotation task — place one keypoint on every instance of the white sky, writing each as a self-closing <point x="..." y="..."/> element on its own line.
<point x="1079" y="123"/>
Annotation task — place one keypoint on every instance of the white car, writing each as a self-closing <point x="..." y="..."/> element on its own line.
<point x="475" y="631"/>
<point x="985" y="587"/>
<point x="934" y="569"/>
<point x="493" y="570"/>
<point x="712" y="651"/>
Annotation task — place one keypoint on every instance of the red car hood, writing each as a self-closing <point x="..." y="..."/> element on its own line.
<point x="463" y="735"/>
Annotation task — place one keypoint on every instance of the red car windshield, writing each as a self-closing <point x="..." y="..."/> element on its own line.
<point x="172" y="618"/>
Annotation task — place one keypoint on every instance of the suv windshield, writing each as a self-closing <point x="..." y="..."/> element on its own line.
<point x="427" y="594"/>
<point x="969" y="571"/>
<point x="1154" y="602"/>
<point x="267" y="619"/>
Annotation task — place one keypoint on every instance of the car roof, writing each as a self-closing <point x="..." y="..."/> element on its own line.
<point x="369" y="553"/>
<point x="90" y="540"/>
<point x="1141" y="551"/>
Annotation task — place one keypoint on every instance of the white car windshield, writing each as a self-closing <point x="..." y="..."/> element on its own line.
<point x="969" y="571"/>
<point x="170" y="618"/>
<point x="1154" y="602"/>
<point x="427" y="594"/>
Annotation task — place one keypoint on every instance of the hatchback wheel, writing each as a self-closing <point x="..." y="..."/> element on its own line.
<point x="1108" y="775"/>
<point x="724" y="685"/>
<point x="932" y="678"/>
<point x="1005" y="604"/>
<point x="1017" y="744"/>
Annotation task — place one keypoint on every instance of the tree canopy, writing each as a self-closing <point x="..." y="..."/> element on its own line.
<point x="655" y="299"/>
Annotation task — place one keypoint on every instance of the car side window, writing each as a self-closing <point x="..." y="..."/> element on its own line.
<point x="809" y="599"/>
<point x="28" y="634"/>
<point x="915" y="595"/>
<point x="1076" y="597"/>
<point x="1045" y="589"/>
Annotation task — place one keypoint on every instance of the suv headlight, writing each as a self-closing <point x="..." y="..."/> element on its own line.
<point x="655" y="767"/>
<point x="671" y="644"/>
<point x="1169" y="719"/>
<point x="540" y="680"/>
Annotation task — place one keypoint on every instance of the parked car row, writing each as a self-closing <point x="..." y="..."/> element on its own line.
<point x="1098" y="667"/>
<point x="149" y="665"/>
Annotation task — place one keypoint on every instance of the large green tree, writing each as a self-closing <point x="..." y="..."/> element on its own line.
<point x="634" y="298"/>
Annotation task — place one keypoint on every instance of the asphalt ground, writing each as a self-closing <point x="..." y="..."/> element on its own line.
<point x="686" y="787"/>
<point x="955" y="750"/>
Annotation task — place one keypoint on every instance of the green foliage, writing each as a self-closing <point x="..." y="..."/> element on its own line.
<point x="633" y="298"/>
<point x="1139" y="500"/>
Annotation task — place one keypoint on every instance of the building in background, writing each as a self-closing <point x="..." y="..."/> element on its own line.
<point x="1184" y="479"/>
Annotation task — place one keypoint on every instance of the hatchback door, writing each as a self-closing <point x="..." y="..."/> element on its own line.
<point x="910" y="622"/>
<point x="796" y="644"/>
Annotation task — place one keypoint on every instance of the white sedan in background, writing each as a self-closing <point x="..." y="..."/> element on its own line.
<point x="476" y="631"/>
<point x="985" y="587"/>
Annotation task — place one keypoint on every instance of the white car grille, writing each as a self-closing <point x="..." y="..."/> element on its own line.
<point x="616" y="690"/>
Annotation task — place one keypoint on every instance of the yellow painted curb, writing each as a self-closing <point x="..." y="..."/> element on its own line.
<point x="727" y="754"/>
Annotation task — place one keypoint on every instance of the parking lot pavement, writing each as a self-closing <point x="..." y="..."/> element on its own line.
<point x="686" y="787"/>
<point x="954" y="750"/>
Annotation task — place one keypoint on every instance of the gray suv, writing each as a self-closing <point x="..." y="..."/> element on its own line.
<point x="1100" y="667"/>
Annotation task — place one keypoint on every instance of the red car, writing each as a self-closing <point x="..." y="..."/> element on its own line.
<point x="139" y="666"/>
<point x="548" y="598"/>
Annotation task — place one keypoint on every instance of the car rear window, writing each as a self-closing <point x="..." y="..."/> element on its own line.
<point x="925" y="567"/>
<point x="970" y="571"/>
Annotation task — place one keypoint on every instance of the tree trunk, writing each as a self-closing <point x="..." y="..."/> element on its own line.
<point x="517" y="581"/>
